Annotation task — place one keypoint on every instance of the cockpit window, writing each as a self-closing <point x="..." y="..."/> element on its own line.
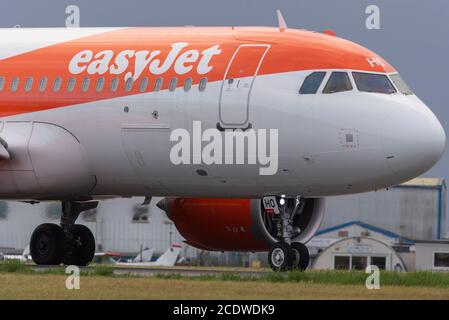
<point x="338" y="82"/>
<point x="400" y="84"/>
<point x="372" y="82"/>
<point x="312" y="83"/>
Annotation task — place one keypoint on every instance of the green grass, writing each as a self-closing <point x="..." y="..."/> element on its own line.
<point x="410" y="279"/>
<point x="387" y="278"/>
<point x="104" y="271"/>
<point x="14" y="266"/>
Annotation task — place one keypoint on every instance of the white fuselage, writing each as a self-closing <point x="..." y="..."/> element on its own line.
<point x="124" y="142"/>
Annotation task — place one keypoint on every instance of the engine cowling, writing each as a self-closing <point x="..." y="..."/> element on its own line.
<point x="237" y="224"/>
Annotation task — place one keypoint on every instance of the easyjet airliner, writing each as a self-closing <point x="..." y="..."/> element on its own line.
<point x="90" y="114"/>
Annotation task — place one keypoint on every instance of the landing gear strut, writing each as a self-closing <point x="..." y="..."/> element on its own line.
<point x="285" y="254"/>
<point x="69" y="243"/>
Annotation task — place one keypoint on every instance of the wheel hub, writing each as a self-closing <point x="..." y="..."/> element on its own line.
<point x="43" y="245"/>
<point x="278" y="257"/>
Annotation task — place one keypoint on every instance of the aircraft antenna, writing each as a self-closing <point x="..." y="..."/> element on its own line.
<point x="281" y="20"/>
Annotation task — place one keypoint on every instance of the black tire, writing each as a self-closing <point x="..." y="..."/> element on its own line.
<point x="280" y="257"/>
<point x="300" y="256"/>
<point x="47" y="244"/>
<point x="83" y="251"/>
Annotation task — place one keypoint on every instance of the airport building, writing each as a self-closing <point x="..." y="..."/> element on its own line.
<point x="355" y="245"/>
<point x="432" y="255"/>
<point x="399" y="229"/>
<point x="397" y="217"/>
<point x="414" y="210"/>
<point x="119" y="225"/>
<point x="356" y="253"/>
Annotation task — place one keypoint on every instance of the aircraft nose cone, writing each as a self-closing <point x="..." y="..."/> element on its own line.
<point x="414" y="142"/>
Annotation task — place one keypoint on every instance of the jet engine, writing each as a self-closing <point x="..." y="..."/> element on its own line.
<point x="238" y="224"/>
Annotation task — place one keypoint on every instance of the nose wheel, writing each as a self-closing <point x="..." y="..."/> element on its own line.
<point x="280" y="257"/>
<point x="69" y="243"/>
<point x="285" y="254"/>
<point x="300" y="256"/>
<point x="284" y="257"/>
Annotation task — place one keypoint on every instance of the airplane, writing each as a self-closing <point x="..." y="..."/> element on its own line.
<point x="107" y="257"/>
<point x="167" y="259"/>
<point x="24" y="257"/>
<point x="88" y="114"/>
<point x="144" y="256"/>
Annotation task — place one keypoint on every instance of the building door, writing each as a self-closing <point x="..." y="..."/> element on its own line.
<point x="237" y="84"/>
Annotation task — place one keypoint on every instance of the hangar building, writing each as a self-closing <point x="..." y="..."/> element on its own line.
<point x="414" y="210"/>
<point x="356" y="253"/>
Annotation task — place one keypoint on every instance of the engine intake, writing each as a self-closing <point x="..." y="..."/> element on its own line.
<point x="237" y="224"/>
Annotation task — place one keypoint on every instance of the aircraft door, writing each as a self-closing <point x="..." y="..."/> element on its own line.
<point x="237" y="84"/>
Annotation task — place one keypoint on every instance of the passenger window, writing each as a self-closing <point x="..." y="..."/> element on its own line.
<point x="114" y="84"/>
<point x="2" y="83"/>
<point x="57" y="84"/>
<point x="43" y="84"/>
<point x="129" y="84"/>
<point x="187" y="84"/>
<point x="372" y="82"/>
<point x="100" y="84"/>
<point x="203" y="84"/>
<point x="143" y="84"/>
<point x="312" y="83"/>
<point x="28" y="84"/>
<point x="401" y="85"/>
<point x="71" y="84"/>
<point x="338" y="82"/>
<point x="15" y="84"/>
<point x="158" y="84"/>
<point x="85" y="85"/>
<point x="173" y="84"/>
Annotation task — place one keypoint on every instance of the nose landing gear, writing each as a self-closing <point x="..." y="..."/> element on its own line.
<point x="286" y="255"/>
<point x="69" y="243"/>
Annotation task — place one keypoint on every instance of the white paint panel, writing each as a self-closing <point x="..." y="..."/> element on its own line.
<point x="16" y="41"/>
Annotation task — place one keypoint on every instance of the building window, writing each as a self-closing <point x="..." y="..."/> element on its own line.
<point x="28" y="84"/>
<point x="203" y="84"/>
<point x="141" y="214"/>
<point x="57" y="84"/>
<point x="173" y="84"/>
<point x="342" y="263"/>
<point x="187" y="84"/>
<point x="2" y="83"/>
<point x="129" y="84"/>
<point x="380" y="262"/>
<point x="140" y="219"/>
<point x="365" y="234"/>
<point x="71" y="84"/>
<point x="143" y="84"/>
<point x="85" y="85"/>
<point x="441" y="260"/>
<point x="15" y="84"/>
<point x="359" y="262"/>
<point x="43" y="84"/>
<point x="114" y="84"/>
<point x="158" y="84"/>
<point x="343" y="234"/>
<point x="100" y="84"/>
